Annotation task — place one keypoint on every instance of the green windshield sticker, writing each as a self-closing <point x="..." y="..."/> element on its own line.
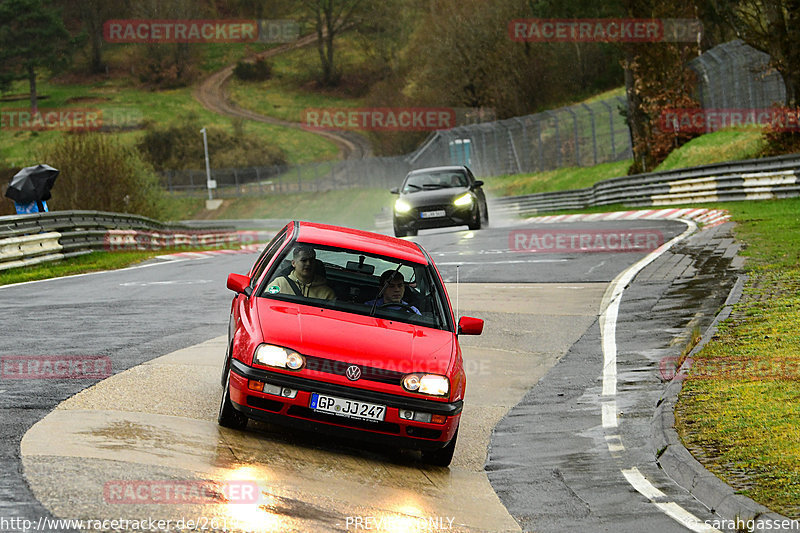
<point x="273" y="289"/>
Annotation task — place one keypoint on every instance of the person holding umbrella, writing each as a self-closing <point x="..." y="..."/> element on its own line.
<point x="30" y="188"/>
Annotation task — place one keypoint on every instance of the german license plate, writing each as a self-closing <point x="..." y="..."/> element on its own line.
<point x="348" y="408"/>
<point x="432" y="214"/>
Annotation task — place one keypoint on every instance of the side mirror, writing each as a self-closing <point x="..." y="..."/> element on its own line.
<point x="394" y="190"/>
<point x="478" y="183"/>
<point x="239" y="284"/>
<point x="470" y="326"/>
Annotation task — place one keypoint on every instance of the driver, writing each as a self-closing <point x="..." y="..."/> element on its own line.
<point x="304" y="279"/>
<point x="393" y="290"/>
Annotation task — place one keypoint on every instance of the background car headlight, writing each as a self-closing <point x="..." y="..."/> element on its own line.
<point x="464" y="199"/>
<point x="401" y="206"/>
<point x="269" y="355"/>
<point x="432" y="384"/>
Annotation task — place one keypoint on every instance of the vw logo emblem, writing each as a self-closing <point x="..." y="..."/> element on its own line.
<point x="353" y="373"/>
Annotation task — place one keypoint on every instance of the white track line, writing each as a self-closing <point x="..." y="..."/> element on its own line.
<point x="610" y="414"/>
<point x="684" y="517"/>
<point x="92" y="273"/>
<point x="608" y="331"/>
<point x="641" y="484"/>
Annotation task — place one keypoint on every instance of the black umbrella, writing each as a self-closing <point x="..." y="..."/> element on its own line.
<point x="32" y="184"/>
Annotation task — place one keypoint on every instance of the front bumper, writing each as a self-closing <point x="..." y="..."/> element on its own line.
<point x="296" y="412"/>
<point x="454" y="216"/>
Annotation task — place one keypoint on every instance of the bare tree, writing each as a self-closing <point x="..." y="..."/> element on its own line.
<point x="168" y="65"/>
<point x="773" y="26"/>
<point x="330" y="18"/>
<point x="656" y="78"/>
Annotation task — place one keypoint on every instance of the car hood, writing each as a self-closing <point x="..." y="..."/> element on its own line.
<point x="434" y="196"/>
<point x="357" y="339"/>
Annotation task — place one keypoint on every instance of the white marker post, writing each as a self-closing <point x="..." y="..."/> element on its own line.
<point x="211" y="184"/>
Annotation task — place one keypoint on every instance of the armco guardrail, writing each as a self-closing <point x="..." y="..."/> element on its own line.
<point x="31" y="239"/>
<point x="753" y="179"/>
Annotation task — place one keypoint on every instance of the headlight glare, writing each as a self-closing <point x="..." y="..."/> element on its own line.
<point x="277" y="356"/>
<point x="432" y="384"/>
<point x="294" y="361"/>
<point x="411" y="382"/>
<point x="401" y="206"/>
<point x="464" y="199"/>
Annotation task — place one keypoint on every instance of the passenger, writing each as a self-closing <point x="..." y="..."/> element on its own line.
<point x="305" y="279"/>
<point x="393" y="291"/>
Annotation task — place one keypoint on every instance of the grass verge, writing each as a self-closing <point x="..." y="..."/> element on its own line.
<point x="356" y="208"/>
<point x="717" y="147"/>
<point x="555" y="180"/>
<point x="91" y="262"/>
<point x="739" y="409"/>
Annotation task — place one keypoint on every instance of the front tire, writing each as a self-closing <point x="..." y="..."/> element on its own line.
<point x="226" y="368"/>
<point x="228" y="416"/>
<point x="442" y="456"/>
<point x="476" y="224"/>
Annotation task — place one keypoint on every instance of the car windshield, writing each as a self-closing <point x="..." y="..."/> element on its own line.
<point x="434" y="180"/>
<point x="357" y="282"/>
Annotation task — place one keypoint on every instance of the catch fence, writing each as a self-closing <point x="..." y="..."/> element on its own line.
<point x="735" y="75"/>
<point x="732" y="76"/>
<point x="581" y="135"/>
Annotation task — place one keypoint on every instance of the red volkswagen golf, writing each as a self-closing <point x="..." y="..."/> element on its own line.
<point x="346" y="331"/>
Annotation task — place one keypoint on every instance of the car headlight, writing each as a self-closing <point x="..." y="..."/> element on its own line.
<point x="432" y="384"/>
<point x="401" y="206"/>
<point x="269" y="355"/>
<point x="464" y="199"/>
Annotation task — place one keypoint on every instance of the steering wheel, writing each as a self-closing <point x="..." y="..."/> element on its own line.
<point x="408" y="308"/>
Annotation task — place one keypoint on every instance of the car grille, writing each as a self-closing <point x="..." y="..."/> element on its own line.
<point x="339" y="368"/>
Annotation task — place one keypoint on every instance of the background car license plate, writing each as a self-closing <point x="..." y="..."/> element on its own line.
<point x="348" y="408"/>
<point x="432" y="214"/>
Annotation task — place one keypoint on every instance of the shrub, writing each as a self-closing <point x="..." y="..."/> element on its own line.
<point x="98" y="173"/>
<point x="258" y="70"/>
<point x="166" y="66"/>
<point x="179" y="146"/>
<point x="781" y="138"/>
<point x="7" y="204"/>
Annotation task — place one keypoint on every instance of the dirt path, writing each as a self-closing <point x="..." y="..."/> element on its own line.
<point x="212" y="94"/>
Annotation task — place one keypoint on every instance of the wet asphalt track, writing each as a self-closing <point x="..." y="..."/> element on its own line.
<point x="549" y="462"/>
